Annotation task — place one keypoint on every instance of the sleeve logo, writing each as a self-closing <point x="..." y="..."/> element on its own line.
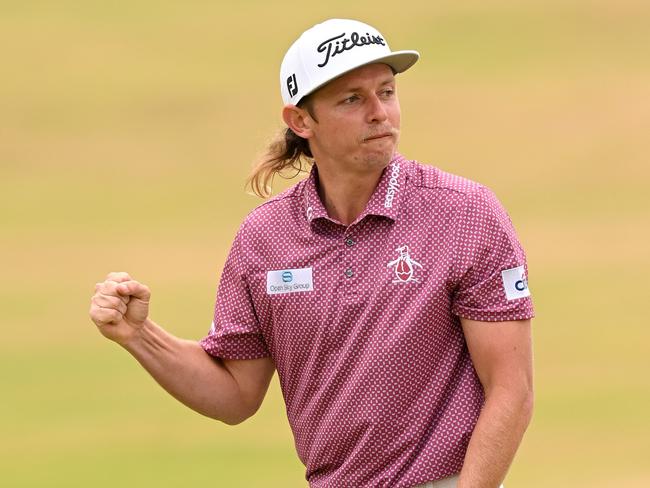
<point x="514" y="283"/>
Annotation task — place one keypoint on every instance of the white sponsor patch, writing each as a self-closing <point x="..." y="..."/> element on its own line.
<point x="289" y="281"/>
<point x="515" y="283"/>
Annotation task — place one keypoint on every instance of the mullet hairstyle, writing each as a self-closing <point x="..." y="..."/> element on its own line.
<point x="287" y="151"/>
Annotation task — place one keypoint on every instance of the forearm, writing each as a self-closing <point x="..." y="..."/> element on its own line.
<point x="188" y="373"/>
<point x="496" y="438"/>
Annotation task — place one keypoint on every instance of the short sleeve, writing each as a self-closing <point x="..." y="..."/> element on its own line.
<point x="490" y="264"/>
<point x="235" y="331"/>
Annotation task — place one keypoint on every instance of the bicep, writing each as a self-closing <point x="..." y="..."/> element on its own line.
<point x="501" y="353"/>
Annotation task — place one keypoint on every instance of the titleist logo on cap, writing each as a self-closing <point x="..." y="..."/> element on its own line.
<point x="335" y="45"/>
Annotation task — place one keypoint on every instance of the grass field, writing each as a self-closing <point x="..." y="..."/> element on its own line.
<point x="127" y="130"/>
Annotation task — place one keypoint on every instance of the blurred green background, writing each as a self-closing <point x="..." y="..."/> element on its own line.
<point x="127" y="129"/>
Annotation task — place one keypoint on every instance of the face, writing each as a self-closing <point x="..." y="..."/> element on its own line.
<point x="357" y="120"/>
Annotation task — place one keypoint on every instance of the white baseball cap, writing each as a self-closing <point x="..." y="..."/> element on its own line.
<point x="331" y="49"/>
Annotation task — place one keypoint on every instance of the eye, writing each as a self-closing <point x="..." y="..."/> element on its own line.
<point x="350" y="99"/>
<point x="388" y="92"/>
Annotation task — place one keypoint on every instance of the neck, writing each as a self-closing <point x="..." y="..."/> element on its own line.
<point x="345" y="196"/>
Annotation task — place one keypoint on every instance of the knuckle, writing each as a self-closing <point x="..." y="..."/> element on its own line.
<point x="118" y="276"/>
<point x="110" y="315"/>
<point x="111" y="302"/>
<point x="97" y="317"/>
<point x="109" y="287"/>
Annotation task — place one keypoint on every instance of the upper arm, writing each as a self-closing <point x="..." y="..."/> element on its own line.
<point x="501" y="353"/>
<point x="253" y="377"/>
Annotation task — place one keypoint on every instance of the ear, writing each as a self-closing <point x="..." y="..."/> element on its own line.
<point x="298" y="120"/>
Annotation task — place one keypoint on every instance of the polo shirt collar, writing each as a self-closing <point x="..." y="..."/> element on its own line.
<point x="385" y="200"/>
<point x="313" y="206"/>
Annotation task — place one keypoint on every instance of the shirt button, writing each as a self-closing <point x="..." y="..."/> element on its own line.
<point x="349" y="242"/>
<point x="349" y="273"/>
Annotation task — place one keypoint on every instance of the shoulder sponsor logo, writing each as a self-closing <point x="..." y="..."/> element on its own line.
<point x="393" y="186"/>
<point x="514" y="283"/>
<point x="289" y="281"/>
<point x="404" y="266"/>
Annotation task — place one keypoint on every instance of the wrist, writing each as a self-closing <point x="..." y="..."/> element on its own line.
<point x="138" y="337"/>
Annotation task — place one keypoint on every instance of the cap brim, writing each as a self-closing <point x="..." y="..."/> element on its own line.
<point x="399" y="61"/>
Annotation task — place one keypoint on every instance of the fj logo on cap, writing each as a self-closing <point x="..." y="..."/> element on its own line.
<point x="332" y="47"/>
<point x="292" y="85"/>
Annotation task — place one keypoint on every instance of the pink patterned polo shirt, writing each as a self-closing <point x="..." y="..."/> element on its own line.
<point x="362" y="321"/>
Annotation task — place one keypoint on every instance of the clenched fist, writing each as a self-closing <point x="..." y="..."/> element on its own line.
<point x="120" y="307"/>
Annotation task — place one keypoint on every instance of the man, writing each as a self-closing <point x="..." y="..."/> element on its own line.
<point x="391" y="297"/>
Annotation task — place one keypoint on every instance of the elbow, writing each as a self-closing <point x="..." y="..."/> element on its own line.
<point x="523" y="401"/>
<point x="528" y="405"/>
<point x="228" y="419"/>
<point x="518" y="400"/>
<point x="232" y="420"/>
<point x="238" y="415"/>
<point x="246" y="407"/>
<point x="235" y="418"/>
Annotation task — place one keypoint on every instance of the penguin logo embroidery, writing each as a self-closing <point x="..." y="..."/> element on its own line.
<point x="404" y="266"/>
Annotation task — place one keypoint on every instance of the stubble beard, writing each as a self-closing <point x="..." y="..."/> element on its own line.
<point x="381" y="158"/>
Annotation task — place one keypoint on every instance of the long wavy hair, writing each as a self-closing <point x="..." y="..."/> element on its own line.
<point x="288" y="151"/>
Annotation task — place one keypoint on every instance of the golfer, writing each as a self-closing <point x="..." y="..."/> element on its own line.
<point x="391" y="297"/>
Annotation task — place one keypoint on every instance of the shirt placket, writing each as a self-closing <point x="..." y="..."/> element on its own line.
<point x="350" y="268"/>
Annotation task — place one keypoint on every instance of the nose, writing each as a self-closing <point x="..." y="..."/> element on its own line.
<point x="376" y="110"/>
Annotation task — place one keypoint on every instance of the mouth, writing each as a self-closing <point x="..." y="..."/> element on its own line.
<point x="377" y="137"/>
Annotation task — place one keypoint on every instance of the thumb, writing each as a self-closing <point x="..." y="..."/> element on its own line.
<point x="134" y="289"/>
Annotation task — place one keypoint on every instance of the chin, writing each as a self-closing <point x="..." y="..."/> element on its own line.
<point x="380" y="158"/>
